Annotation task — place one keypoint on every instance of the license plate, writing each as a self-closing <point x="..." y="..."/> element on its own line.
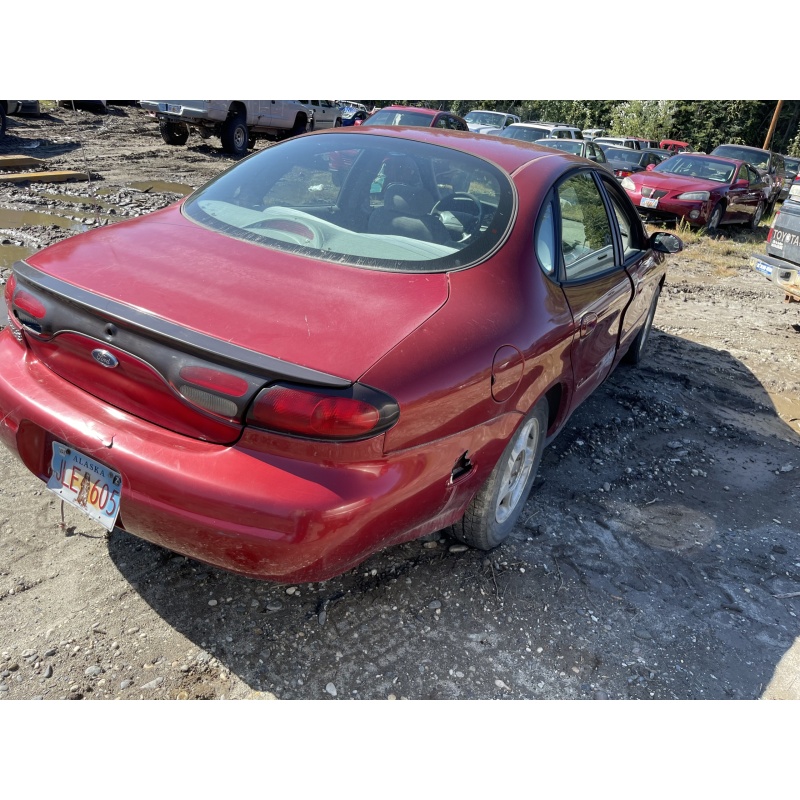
<point x="649" y="202"/>
<point x="761" y="267"/>
<point x="86" y="484"/>
<point x="173" y="109"/>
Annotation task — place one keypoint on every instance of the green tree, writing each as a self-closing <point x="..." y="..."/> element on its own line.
<point x="794" y="147"/>
<point x="649" y="119"/>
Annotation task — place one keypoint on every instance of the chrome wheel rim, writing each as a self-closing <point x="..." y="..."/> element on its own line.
<point x="240" y="137"/>
<point x="516" y="471"/>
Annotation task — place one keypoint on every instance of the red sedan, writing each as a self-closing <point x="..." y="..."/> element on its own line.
<point x="417" y="117"/>
<point x="284" y="373"/>
<point x="702" y="190"/>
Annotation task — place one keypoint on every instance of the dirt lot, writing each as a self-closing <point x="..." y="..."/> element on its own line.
<point x="657" y="558"/>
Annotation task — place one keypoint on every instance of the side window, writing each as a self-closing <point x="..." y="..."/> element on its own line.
<point x="586" y="239"/>
<point x="546" y="240"/>
<point x="754" y="176"/>
<point x="743" y="174"/>
<point x="630" y="226"/>
<point x="601" y="156"/>
<point x="441" y="122"/>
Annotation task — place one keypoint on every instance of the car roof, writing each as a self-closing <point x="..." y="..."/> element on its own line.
<point x="743" y="147"/>
<point x="431" y="112"/>
<point x="542" y="126"/>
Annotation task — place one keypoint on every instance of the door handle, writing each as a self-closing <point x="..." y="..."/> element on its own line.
<point x="588" y="324"/>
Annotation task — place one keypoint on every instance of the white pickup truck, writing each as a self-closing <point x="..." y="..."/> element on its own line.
<point x="237" y="122"/>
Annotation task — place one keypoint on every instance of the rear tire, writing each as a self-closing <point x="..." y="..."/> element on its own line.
<point x="636" y="350"/>
<point x="494" y="511"/>
<point x="300" y="126"/>
<point x="235" y="135"/>
<point x="2" y="122"/>
<point x="756" y="220"/>
<point x="174" y="133"/>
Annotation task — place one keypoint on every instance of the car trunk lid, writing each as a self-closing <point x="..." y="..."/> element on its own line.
<point x="128" y="312"/>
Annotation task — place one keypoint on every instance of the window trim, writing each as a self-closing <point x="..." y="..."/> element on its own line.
<point x="560" y="275"/>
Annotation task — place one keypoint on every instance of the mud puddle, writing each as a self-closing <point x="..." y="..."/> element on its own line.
<point x="10" y="253"/>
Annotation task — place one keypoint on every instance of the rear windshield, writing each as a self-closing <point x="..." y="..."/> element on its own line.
<point x="526" y="134"/>
<point x="485" y="118"/>
<point x="388" y="117"/>
<point x="362" y="199"/>
<point x="567" y="145"/>
<point x="624" y="154"/>
<point x="758" y="158"/>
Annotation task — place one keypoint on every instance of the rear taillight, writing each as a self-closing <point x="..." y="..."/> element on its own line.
<point x="13" y="322"/>
<point x="212" y="389"/>
<point x="28" y="304"/>
<point x="321" y="413"/>
<point x="622" y="173"/>
<point x="215" y="379"/>
<point x="11" y="284"/>
<point x="24" y="308"/>
<point x="769" y="234"/>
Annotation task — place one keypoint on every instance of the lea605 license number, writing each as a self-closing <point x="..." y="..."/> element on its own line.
<point x="86" y="484"/>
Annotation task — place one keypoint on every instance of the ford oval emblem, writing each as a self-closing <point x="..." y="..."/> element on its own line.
<point x="104" y="358"/>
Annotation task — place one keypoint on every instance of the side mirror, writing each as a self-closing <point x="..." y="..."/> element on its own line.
<point x="650" y="166"/>
<point x="741" y="183"/>
<point x="663" y="242"/>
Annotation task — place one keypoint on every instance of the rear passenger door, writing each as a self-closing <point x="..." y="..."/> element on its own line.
<point x="590" y="267"/>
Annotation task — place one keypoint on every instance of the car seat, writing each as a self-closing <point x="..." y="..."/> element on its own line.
<point x="406" y="212"/>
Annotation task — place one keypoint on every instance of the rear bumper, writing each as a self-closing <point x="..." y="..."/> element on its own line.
<point x="784" y="274"/>
<point x="257" y="513"/>
<point x="180" y="113"/>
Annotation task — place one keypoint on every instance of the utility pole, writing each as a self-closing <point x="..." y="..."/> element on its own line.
<point x="772" y="125"/>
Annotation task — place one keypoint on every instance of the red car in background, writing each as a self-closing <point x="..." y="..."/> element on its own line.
<point x="285" y="372"/>
<point x="417" y="117"/>
<point x="702" y="190"/>
<point x="674" y="145"/>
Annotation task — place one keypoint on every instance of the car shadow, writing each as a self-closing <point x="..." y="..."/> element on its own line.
<point x="656" y="558"/>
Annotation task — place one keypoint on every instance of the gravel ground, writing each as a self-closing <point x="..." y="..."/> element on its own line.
<point x="657" y="557"/>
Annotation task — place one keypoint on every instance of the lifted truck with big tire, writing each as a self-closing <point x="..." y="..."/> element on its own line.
<point x="237" y="122"/>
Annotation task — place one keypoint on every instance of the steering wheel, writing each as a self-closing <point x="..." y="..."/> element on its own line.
<point x="465" y="208"/>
